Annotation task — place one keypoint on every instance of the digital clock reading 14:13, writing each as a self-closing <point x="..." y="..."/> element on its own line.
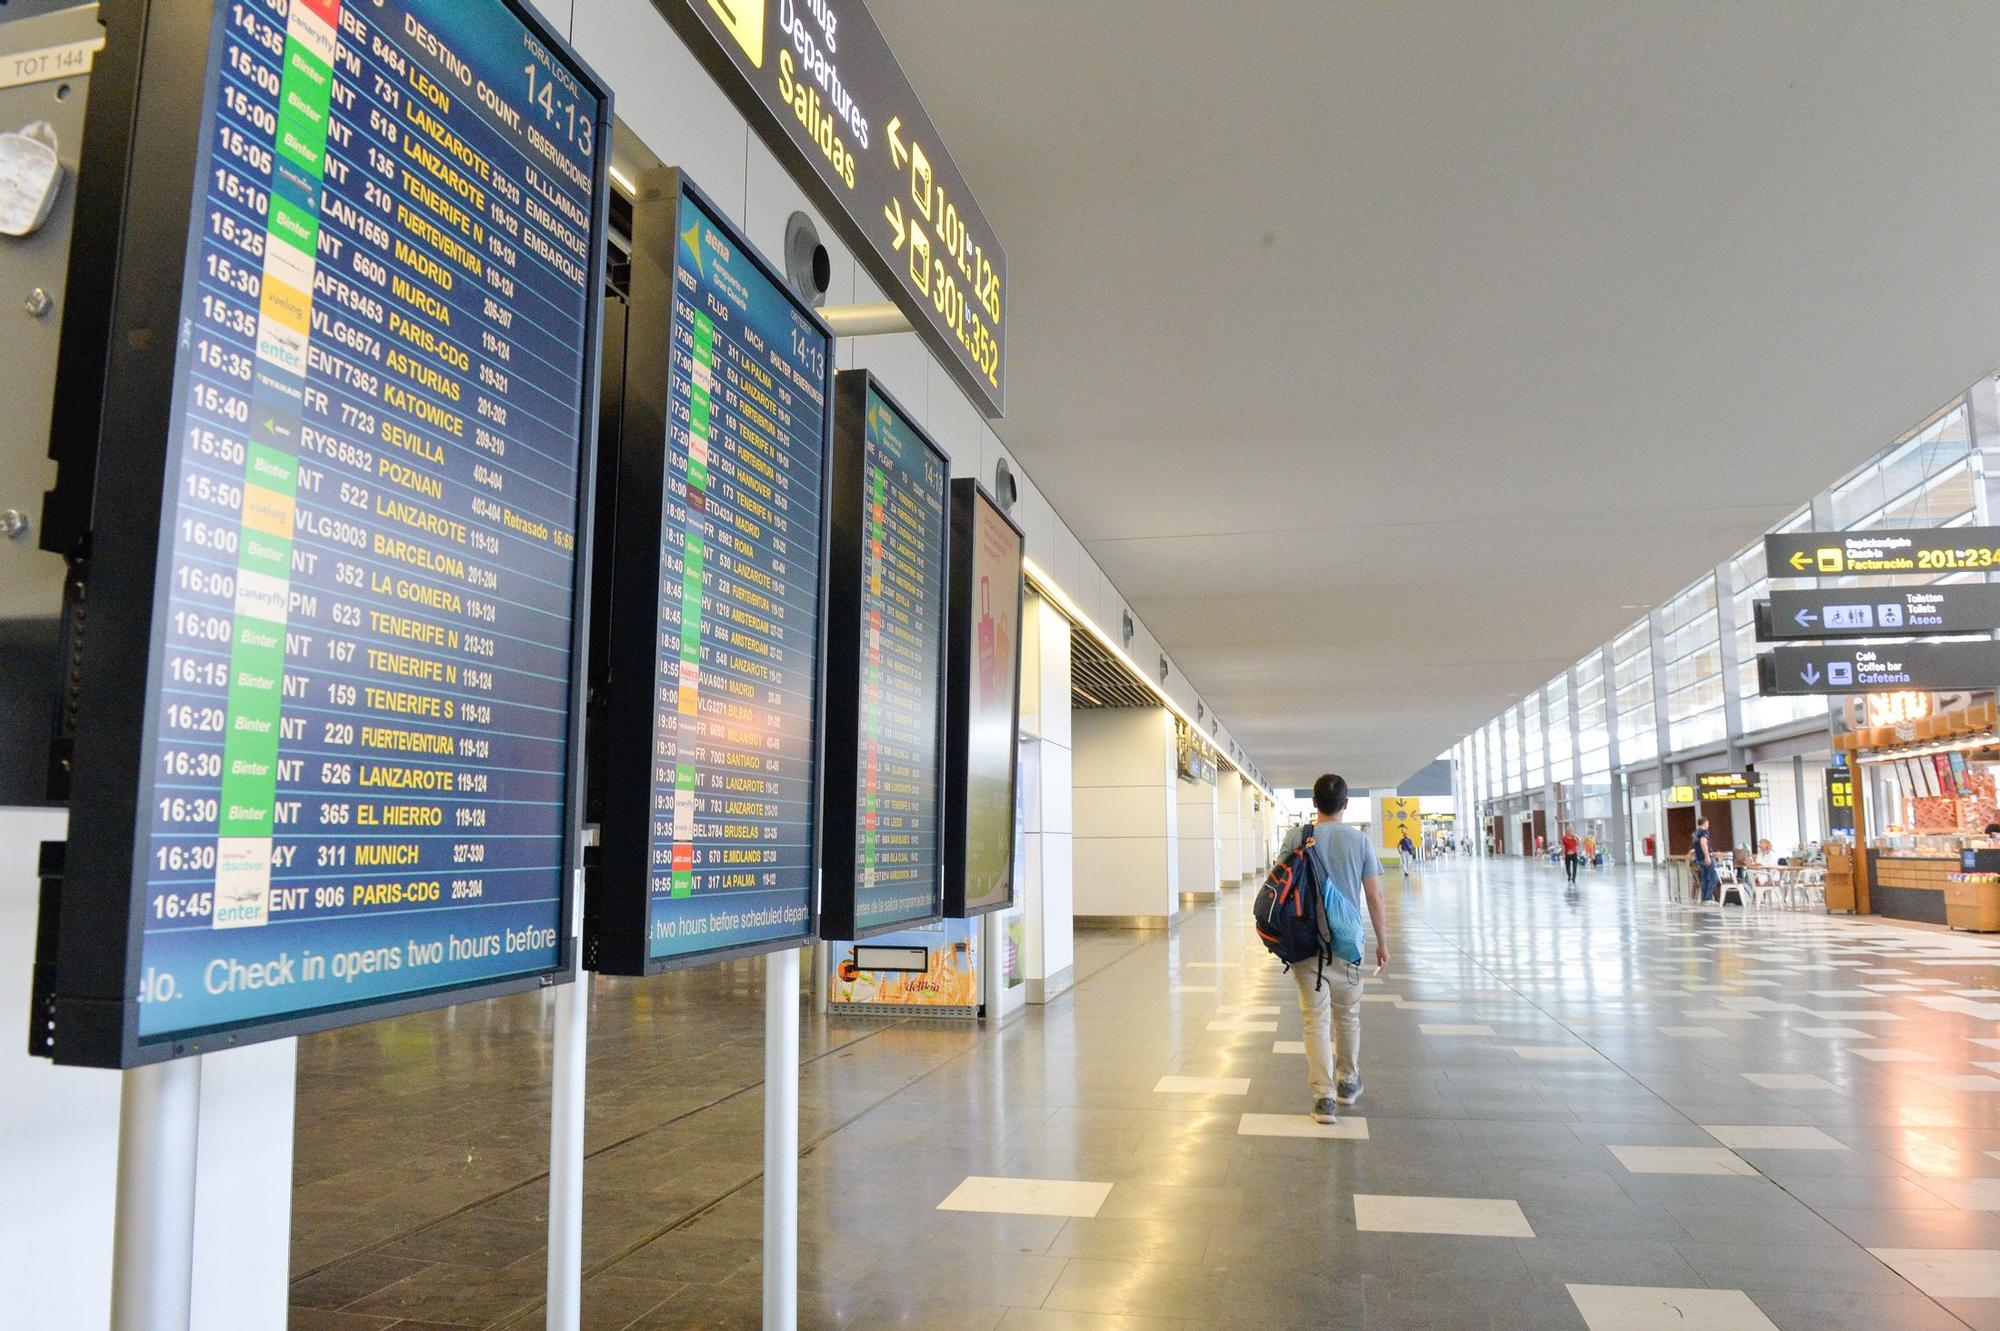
<point x="555" y="92"/>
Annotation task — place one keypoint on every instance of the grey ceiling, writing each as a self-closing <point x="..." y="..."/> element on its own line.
<point x="1383" y="354"/>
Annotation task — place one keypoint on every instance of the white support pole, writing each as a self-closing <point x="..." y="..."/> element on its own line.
<point x="152" y="1245"/>
<point x="566" y="1100"/>
<point x="781" y="1140"/>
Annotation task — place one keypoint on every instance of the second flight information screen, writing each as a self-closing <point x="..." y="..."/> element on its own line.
<point x="735" y="725"/>
<point x="902" y="672"/>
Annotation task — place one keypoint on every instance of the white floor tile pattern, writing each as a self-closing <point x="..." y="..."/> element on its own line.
<point x="1640" y="1308"/>
<point x="1027" y="1196"/>
<point x="1489" y="1217"/>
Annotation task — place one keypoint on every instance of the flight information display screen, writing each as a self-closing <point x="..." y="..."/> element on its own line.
<point x="887" y="599"/>
<point x="733" y="713"/>
<point x="360" y="735"/>
<point x="987" y="554"/>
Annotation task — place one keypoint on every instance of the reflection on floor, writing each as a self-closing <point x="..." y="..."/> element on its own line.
<point x="1594" y="1110"/>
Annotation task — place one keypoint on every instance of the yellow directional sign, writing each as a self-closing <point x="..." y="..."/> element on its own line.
<point x="822" y="87"/>
<point x="1401" y="817"/>
<point x="1812" y="554"/>
<point x="743" y="20"/>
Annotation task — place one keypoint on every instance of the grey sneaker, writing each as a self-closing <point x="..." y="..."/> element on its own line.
<point x="1324" y="1112"/>
<point x="1348" y="1091"/>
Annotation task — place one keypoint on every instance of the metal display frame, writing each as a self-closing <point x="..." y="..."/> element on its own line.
<point x="853" y="390"/>
<point x="150" y="99"/>
<point x="617" y="899"/>
<point x="967" y="494"/>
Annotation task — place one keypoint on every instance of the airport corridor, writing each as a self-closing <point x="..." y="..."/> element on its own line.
<point x="1600" y="1109"/>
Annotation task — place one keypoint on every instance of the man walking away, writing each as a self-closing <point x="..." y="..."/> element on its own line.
<point x="1331" y="1005"/>
<point x="1704" y="863"/>
<point x="1571" y="851"/>
<point x="1408" y="854"/>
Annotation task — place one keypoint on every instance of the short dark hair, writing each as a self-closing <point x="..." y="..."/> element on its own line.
<point x="1702" y="821"/>
<point x="1330" y="793"/>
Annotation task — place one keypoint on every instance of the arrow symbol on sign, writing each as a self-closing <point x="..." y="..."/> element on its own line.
<point x="894" y="212"/>
<point x="1800" y="559"/>
<point x="1810" y="674"/>
<point x="897" y="152"/>
<point x="1805" y="617"/>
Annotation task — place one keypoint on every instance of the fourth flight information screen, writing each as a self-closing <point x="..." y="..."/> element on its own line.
<point x="735" y="727"/>
<point x="360" y="736"/>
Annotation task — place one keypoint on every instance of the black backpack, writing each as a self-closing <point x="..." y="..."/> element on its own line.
<point x="1291" y="914"/>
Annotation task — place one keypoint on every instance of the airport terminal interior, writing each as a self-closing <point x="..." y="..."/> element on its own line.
<point x="1030" y="667"/>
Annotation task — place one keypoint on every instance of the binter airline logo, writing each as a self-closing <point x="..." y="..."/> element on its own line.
<point x="745" y="21"/>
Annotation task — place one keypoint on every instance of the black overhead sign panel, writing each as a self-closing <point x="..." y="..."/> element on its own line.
<point x="1857" y="668"/>
<point x="1729" y="786"/>
<point x="821" y="84"/>
<point x="1808" y="554"/>
<point x="1879" y="612"/>
<point x="822" y="87"/>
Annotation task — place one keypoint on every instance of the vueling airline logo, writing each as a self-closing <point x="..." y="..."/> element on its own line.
<point x="745" y="21"/>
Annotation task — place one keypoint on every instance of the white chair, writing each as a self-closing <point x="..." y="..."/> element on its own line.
<point x="1731" y="881"/>
<point x="1766" y="886"/>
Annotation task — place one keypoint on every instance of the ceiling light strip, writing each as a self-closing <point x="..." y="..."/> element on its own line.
<point x="1047" y="587"/>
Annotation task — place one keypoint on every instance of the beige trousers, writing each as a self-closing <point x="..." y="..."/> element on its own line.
<point x="1332" y="1017"/>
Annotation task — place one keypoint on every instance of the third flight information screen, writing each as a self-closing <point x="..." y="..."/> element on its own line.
<point x="735" y="704"/>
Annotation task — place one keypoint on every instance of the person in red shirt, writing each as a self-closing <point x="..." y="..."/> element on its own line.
<point x="1571" y="857"/>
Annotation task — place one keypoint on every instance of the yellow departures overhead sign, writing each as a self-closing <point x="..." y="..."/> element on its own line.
<point x="821" y="86"/>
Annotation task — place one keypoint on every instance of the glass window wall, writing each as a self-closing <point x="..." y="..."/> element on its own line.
<point x="1562" y="761"/>
<point x="1632" y="680"/>
<point x="1593" y="733"/>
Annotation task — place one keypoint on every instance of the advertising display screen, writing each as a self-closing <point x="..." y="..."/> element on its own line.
<point x="711" y="815"/>
<point x="886" y="604"/>
<point x="356" y="757"/>
<point x="984" y="703"/>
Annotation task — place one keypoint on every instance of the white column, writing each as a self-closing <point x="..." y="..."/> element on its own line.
<point x="1127" y="865"/>
<point x="1229" y="828"/>
<point x="1249" y="859"/>
<point x="1200" y="853"/>
<point x="1048" y="950"/>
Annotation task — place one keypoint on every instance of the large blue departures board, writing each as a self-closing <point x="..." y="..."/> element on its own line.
<point x="358" y="745"/>
<point x="711" y="826"/>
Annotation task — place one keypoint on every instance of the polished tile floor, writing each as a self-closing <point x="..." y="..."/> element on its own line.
<point x="1593" y="1109"/>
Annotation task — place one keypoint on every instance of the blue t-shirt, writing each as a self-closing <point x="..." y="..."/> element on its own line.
<point x="1347" y="856"/>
